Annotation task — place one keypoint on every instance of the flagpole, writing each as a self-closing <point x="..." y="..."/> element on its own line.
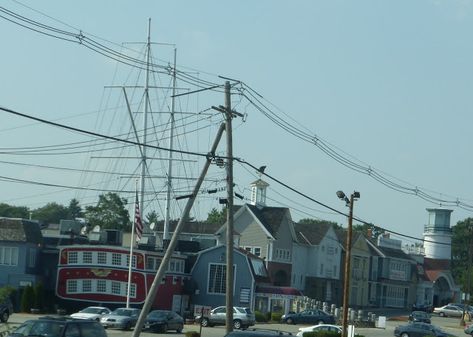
<point x="132" y="236"/>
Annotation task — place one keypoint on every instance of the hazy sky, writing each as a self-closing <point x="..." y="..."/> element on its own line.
<point x="387" y="84"/>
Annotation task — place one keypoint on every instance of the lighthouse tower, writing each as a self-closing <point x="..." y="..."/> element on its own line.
<point x="438" y="234"/>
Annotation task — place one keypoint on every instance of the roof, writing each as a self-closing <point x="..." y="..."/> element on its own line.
<point x="20" y="230"/>
<point x="436" y="264"/>
<point x="395" y="253"/>
<point x="311" y="233"/>
<point x="270" y="217"/>
<point x="279" y="290"/>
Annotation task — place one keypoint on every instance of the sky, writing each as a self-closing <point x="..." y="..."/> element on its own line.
<point x="386" y="84"/>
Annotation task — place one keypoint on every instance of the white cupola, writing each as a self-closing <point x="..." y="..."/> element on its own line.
<point x="258" y="193"/>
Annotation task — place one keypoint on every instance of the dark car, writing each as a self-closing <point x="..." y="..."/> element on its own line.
<point x="258" y="333"/>
<point x="422" y="307"/>
<point x="59" y="327"/>
<point x="419" y="316"/>
<point x="163" y="320"/>
<point x="418" y="329"/>
<point x="6" y="309"/>
<point x="314" y="316"/>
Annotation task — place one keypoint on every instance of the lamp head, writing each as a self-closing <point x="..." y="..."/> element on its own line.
<point x="341" y="195"/>
<point x="356" y="195"/>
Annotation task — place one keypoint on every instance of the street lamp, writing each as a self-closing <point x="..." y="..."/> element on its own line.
<point x="346" y="283"/>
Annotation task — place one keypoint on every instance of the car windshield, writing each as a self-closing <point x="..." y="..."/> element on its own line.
<point x="122" y="312"/>
<point x="91" y="310"/>
<point x="158" y="314"/>
<point x="40" y="328"/>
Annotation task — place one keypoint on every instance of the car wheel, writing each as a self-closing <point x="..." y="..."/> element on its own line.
<point x="237" y="324"/>
<point x="442" y="314"/>
<point x="290" y="321"/>
<point x="164" y="328"/>
<point x="404" y="334"/>
<point x="205" y="322"/>
<point x="179" y="329"/>
<point x="127" y="326"/>
<point x="4" y="317"/>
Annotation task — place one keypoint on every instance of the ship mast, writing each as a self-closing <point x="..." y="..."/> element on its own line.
<point x="169" y="174"/>
<point x="145" y="121"/>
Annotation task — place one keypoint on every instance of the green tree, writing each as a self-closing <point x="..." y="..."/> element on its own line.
<point x="462" y="238"/>
<point x="370" y="231"/>
<point x="51" y="213"/>
<point x="152" y="217"/>
<point x="110" y="212"/>
<point x="38" y="290"/>
<point x="74" y="209"/>
<point x="9" y="211"/>
<point x="310" y="221"/>
<point x="217" y="217"/>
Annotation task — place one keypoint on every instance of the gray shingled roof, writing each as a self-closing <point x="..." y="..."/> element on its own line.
<point x="270" y="217"/>
<point x="314" y="233"/>
<point x="20" y="230"/>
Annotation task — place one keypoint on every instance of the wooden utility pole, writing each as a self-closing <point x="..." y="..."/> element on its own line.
<point x="229" y="278"/>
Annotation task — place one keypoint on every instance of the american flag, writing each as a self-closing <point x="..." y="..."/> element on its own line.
<point x="138" y="223"/>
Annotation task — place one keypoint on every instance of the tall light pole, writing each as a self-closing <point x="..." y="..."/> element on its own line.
<point x="346" y="283"/>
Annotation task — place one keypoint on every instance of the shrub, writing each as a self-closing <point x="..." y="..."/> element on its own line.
<point x="260" y="317"/>
<point x="27" y="299"/>
<point x="192" y="334"/>
<point x="38" y="296"/>
<point x="268" y="316"/>
<point x="276" y="316"/>
<point x="6" y="292"/>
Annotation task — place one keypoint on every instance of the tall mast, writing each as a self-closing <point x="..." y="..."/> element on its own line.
<point x="169" y="174"/>
<point x="145" y="121"/>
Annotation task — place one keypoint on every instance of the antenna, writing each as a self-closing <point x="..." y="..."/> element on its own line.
<point x="96" y="229"/>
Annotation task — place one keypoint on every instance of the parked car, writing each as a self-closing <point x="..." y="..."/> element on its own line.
<point x="163" y="320"/>
<point x="449" y="310"/>
<point x="121" y="318"/>
<point x="242" y="317"/>
<point x="59" y="327"/>
<point x="468" y="308"/>
<point x="258" y="333"/>
<point x="419" y="316"/>
<point x="94" y="313"/>
<point x="418" y="329"/>
<point x="320" y="327"/>
<point x="314" y="316"/>
<point x="6" y="310"/>
<point x="422" y="307"/>
<point x="469" y="330"/>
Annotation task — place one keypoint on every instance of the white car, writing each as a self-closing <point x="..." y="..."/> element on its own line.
<point x="320" y="327"/>
<point x="94" y="313"/>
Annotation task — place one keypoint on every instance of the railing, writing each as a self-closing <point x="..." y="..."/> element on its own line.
<point x="432" y="228"/>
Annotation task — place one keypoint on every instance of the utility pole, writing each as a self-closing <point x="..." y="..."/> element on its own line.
<point x="468" y="276"/>
<point x="229" y="279"/>
<point x="346" y="283"/>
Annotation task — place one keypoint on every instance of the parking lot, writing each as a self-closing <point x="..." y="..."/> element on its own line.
<point x="451" y="325"/>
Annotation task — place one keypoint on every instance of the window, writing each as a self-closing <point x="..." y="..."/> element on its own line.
<point x="101" y="286"/>
<point x="172" y="265"/>
<point x="330" y="250"/>
<point x="133" y="261"/>
<point x="102" y="258"/>
<point x="116" y="259"/>
<point x="116" y="288"/>
<point x="217" y="278"/>
<point x="32" y="258"/>
<point x="248" y="249"/>
<point x="87" y="257"/>
<point x="72" y="257"/>
<point x="86" y="286"/>
<point x="71" y="286"/>
<point x="257" y="251"/>
<point x="133" y="290"/>
<point x="72" y="330"/>
<point x="150" y="263"/>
